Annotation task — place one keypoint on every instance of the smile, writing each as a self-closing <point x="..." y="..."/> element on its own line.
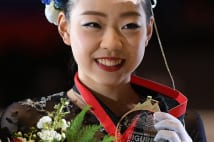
<point x="110" y="64"/>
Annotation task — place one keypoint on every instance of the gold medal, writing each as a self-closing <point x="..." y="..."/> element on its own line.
<point x="137" y="125"/>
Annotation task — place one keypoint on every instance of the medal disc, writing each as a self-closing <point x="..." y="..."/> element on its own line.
<point x="136" y="126"/>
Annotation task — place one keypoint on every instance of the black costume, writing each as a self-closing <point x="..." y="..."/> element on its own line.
<point x="25" y="114"/>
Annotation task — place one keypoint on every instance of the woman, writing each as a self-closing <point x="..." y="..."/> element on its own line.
<point x="108" y="40"/>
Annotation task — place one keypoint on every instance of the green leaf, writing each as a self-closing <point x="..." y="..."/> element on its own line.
<point x="87" y="133"/>
<point x="108" y="138"/>
<point x="76" y="124"/>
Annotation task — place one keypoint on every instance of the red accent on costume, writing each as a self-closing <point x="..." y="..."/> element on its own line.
<point x="164" y="90"/>
<point x="105" y="119"/>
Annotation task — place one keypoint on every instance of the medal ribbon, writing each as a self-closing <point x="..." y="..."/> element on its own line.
<point x="177" y="111"/>
<point x="104" y="118"/>
<point x="97" y="109"/>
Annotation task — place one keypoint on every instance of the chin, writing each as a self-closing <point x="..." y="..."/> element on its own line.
<point x="111" y="79"/>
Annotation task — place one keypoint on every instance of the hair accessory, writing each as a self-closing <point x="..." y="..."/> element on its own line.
<point x="46" y="2"/>
<point x="154" y="3"/>
<point x="58" y="4"/>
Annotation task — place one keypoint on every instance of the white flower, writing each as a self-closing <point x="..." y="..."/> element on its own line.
<point x="63" y="135"/>
<point x="64" y="124"/>
<point x="51" y="13"/>
<point x="66" y="103"/>
<point x="43" y="120"/>
<point x="49" y="135"/>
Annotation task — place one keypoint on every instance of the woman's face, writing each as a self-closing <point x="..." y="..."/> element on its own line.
<point x="108" y="39"/>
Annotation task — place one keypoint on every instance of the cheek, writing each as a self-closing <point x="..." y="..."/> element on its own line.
<point x="78" y="39"/>
<point x="81" y="38"/>
<point x="77" y="46"/>
<point x="137" y="50"/>
<point x="137" y="44"/>
<point x="139" y="54"/>
<point x="82" y="46"/>
<point x="141" y="50"/>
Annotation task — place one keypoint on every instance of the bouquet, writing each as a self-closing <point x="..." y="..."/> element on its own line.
<point x="54" y="128"/>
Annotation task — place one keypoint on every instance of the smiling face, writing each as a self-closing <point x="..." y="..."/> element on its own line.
<point x="108" y="39"/>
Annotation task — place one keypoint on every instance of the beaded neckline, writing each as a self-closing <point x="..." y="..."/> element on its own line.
<point x="41" y="104"/>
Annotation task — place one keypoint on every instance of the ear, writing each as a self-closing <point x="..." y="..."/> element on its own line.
<point x="149" y="29"/>
<point x="63" y="28"/>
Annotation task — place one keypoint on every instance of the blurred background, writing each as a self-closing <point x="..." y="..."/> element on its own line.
<point x="34" y="61"/>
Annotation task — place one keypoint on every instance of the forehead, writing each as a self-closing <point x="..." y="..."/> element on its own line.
<point x="110" y="6"/>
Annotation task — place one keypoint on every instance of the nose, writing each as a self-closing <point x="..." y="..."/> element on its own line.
<point x="111" y="39"/>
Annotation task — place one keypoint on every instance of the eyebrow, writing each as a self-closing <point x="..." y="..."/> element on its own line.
<point x="125" y="14"/>
<point x="94" y="13"/>
<point x="130" y="13"/>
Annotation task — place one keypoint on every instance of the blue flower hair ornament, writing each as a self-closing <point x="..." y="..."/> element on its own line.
<point x="46" y="2"/>
<point x="58" y="4"/>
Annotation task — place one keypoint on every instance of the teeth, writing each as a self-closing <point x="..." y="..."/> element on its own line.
<point x="109" y="63"/>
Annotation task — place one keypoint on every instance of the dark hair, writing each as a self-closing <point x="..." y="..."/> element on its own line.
<point x="72" y="69"/>
<point x="147" y="6"/>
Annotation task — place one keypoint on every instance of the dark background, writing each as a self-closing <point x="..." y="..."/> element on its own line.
<point x="34" y="60"/>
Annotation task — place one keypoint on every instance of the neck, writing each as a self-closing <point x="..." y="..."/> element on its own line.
<point x="115" y="93"/>
<point x="119" y="99"/>
<point x="118" y="95"/>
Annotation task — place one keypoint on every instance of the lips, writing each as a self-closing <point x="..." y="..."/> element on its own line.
<point x="110" y="64"/>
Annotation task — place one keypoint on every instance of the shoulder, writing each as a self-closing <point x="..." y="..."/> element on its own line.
<point x="15" y="111"/>
<point x="21" y="116"/>
<point x="195" y="126"/>
<point x="17" y="117"/>
<point x="25" y="114"/>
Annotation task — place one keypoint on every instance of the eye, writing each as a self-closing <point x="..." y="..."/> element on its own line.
<point x="131" y="26"/>
<point x="91" y="25"/>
